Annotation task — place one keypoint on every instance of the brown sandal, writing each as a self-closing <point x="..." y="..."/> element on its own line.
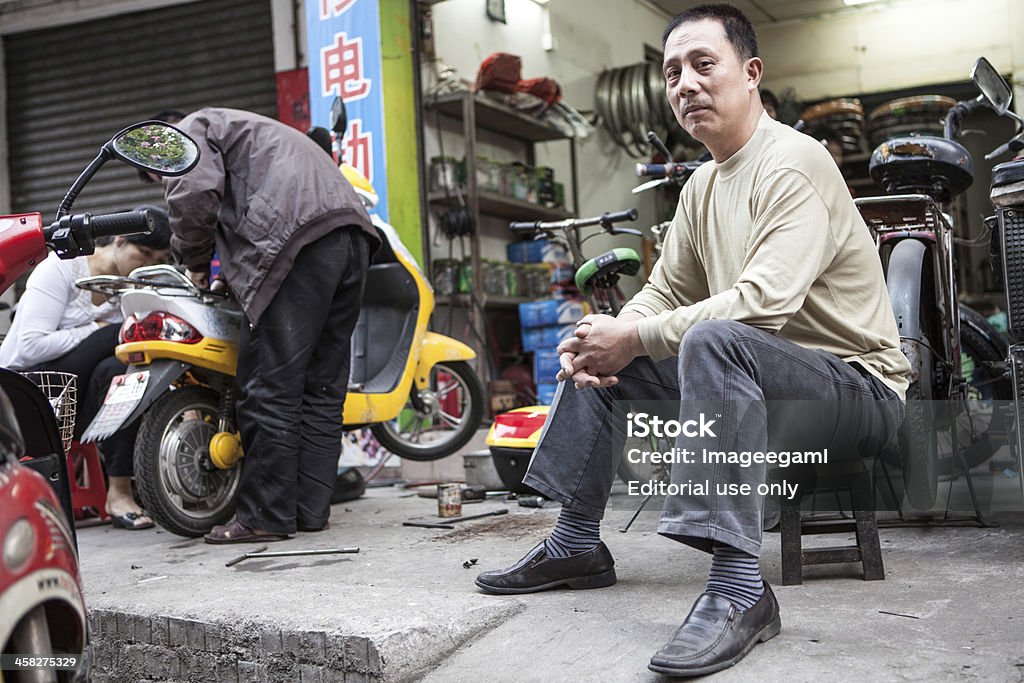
<point x="236" y="532"/>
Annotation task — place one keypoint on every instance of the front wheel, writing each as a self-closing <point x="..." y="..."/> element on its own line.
<point x="442" y="419"/>
<point x="178" y="483"/>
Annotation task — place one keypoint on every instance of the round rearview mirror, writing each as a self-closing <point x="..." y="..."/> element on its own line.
<point x="156" y="147"/>
<point x="991" y="85"/>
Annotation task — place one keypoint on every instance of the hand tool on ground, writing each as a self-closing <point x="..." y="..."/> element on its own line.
<point x="450" y="522"/>
<point x="291" y="553"/>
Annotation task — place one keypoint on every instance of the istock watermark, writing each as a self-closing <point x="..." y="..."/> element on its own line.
<point x="644" y="425"/>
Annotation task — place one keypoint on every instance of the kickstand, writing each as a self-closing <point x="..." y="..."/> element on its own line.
<point x="983" y="521"/>
<point x="377" y="468"/>
<point x="636" y="514"/>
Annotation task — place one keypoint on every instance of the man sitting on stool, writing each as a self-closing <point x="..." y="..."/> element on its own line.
<point x="769" y="288"/>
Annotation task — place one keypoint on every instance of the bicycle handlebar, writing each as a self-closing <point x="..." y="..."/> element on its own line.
<point x="673" y="169"/>
<point x="603" y="219"/>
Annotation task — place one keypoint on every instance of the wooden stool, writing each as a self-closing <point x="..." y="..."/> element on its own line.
<point x="867" y="551"/>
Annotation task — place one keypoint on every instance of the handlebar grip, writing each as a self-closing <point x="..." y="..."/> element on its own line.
<point x="524" y="226"/>
<point x="660" y="170"/>
<point x="127" y="223"/>
<point x="618" y="216"/>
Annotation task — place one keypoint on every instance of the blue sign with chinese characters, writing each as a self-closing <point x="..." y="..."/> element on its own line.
<point x="344" y="61"/>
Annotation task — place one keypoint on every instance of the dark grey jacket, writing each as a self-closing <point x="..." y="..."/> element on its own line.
<point x="261" y="191"/>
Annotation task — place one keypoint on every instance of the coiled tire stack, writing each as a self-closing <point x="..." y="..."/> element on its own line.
<point x="844" y="116"/>
<point x="917" y="115"/>
<point x="630" y="101"/>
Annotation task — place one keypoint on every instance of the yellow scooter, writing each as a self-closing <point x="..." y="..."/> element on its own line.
<point x="415" y="389"/>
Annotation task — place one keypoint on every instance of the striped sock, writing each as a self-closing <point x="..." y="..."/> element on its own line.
<point x="736" y="576"/>
<point x="573" y="534"/>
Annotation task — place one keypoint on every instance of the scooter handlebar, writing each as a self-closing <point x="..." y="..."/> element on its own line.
<point x="127" y="223"/>
<point x="73" y="236"/>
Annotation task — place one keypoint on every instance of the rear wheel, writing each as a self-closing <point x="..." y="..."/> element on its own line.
<point x="179" y="485"/>
<point x="918" y="440"/>
<point x="442" y="419"/>
<point x="911" y="280"/>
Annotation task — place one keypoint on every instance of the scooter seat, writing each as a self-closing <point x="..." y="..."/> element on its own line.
<point x="922" y="164"/>
<point x="1008" y="173"/>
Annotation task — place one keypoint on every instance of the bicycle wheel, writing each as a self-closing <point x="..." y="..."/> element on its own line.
<point x="910" y="280"/>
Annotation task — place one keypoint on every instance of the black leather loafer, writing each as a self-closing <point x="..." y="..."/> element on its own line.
<point x="536" y="572"/>
<point x="716" y="635"/>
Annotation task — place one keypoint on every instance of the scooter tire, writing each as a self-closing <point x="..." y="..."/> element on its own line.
<point x="159" y="471"/>
<point x="472" y="414"/>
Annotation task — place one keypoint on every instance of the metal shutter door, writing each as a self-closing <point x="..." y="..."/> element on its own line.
<point x="70" y="88"/>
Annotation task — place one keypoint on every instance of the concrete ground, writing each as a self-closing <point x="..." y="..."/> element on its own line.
<point x="164" y="607"/>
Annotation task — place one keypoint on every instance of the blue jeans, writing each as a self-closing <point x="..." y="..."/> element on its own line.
<point x="752" y="382"/>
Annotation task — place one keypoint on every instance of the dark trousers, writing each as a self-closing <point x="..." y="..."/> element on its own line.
<point x="293" y="369"/>
<point x="94" y="363"/>
<point x="762" y="391"/>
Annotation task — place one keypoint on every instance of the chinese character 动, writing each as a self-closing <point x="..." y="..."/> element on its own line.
<point x="343" y="69"/>
<point x="334" y="8"/>
<point x="356" y="150"/>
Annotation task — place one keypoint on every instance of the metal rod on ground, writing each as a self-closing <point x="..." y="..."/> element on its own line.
<point x="291" y="553"/>
<point x="449" y="522"/>
<point x="466" y="518"/>
<point x="231" y="563"/>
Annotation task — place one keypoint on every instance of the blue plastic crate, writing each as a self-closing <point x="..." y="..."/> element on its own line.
<point x="547" y="312"/>
<point x="545" y="365"/>
<point x="545" y="337"/>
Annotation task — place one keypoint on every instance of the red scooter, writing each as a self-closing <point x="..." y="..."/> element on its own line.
<point x="42" y="614"/>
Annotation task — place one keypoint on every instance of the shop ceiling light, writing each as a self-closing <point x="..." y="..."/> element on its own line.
<point x="850" y="3"/>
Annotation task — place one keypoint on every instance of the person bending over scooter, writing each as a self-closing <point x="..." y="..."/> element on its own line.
<point x="294" y="242"/>
<point x="769" y="288"/>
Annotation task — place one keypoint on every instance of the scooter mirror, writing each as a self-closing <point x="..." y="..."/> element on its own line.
<point x="156" y="147"/>
<point x="991" y="85"/>
<point x="339" y="117"/>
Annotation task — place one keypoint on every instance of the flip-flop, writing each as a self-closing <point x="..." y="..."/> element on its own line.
<point x="128" y="521"/>
<point x="236" y="532"/>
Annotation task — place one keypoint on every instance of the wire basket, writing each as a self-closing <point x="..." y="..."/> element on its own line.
<point x="60" y="390"/>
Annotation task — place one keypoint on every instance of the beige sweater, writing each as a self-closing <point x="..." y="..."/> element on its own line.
<point x="772" y="238"/>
